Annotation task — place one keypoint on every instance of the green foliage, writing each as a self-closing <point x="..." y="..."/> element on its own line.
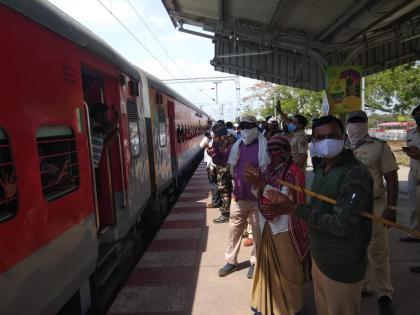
<point x="293" y="100"/>
<point x="395" y="91"/>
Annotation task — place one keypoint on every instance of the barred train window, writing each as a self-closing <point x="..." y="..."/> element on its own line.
<point x="162" y="125"/>
<point x="8" y="194"/>
<point x="133" y="126"/>
<point x="57" y="161"/>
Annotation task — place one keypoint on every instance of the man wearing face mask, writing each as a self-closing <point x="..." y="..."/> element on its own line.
<point x="413" y="151"/>
<point x="298" y="140"/>
<point x="379" y="159"/>
<point x="273" y="128"/>
<point x="249" y="151"/>
<point x="338" y="235"/>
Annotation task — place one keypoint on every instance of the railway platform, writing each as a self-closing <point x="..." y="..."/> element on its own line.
<point x="178" y="273"/>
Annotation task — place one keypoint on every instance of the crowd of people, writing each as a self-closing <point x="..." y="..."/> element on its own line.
<point x="324" y="238"/>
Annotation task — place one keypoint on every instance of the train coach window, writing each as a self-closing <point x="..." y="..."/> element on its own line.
<point x="8" y="194"/>
<point x="133" y="126"/>
<point x="57" y="161"/>
<point x="162" y="126"/>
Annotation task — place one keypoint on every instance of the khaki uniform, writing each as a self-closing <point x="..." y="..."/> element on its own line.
<point x="413" y="218"/>
<point x="379" y="159"/>
<point x="299" y="145"/>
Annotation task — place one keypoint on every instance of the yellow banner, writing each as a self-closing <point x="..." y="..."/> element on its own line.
<point x="344" y="89"/>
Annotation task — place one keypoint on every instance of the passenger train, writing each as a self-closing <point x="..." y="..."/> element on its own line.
<point x="69" y="232"/>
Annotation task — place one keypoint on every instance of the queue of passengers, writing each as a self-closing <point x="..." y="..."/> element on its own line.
<point x="348" y="254"/>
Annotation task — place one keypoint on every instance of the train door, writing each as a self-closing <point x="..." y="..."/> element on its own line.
<point x="93" y="93"/>
<point x="172" y="135"/>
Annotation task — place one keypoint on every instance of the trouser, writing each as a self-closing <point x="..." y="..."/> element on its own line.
<point x="215" y="196"/>
<point x="333" y="297"/>
<point x="378" y="276"/>
<point x="225" y="188"/>
<point x="240" y="211"/>
<point x="413" y="217"/>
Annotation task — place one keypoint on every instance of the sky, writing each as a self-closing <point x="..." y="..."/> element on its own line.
<point x="186" y="56"/>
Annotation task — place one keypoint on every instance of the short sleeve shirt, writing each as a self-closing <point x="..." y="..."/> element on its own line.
<point x="413" y="140"/>
<point x="377" y="156"/>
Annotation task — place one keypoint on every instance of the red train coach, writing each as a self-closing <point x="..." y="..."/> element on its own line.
<point x="66" y="240"/>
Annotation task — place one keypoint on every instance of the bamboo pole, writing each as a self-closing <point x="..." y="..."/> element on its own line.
<point x="363" y="213"/>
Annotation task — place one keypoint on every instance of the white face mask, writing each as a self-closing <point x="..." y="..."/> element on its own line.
<point x="249" y="135"/>
<point x="312" y="151"/>
<point x="357" y="132"/>
<point x="328" y="148"/>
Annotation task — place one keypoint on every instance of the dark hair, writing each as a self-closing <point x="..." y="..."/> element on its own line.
<point x="324" y="120"/>
<point x="220" y="131"/>
<point x="97" y="109"/>
<point x="301" y="120"/>
<point x="229" y="125"/>
<point x="415" y="110"/>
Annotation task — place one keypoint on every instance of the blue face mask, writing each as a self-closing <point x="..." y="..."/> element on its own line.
<point x="291" y="127"/>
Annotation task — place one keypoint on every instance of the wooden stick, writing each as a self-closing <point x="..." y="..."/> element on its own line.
<point x="363" y="213"/>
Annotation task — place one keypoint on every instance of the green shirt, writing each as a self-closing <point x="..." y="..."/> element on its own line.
<point x="339" y="236"/>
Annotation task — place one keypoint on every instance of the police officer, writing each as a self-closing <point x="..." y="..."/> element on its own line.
<point x="380" y="161"/>
<point x="413" y="151"/>
<point x="298" y="140"/>
<point x="222" y="142"/>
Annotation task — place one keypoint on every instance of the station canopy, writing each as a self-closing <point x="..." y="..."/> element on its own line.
<point x="292" y="42"/>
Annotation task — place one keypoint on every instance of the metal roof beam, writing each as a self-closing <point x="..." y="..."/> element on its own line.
<point x="342" y="19"/>
<point x="372" y="10"/>
<point x="250" y="33"/>
<point x="183" y="30"/>
<point x="221" y="10"/>
<point x="275" y="16"/>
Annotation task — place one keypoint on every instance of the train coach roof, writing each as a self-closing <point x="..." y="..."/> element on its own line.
<point x="158" y="84"/>
<point x="58" y="22"/>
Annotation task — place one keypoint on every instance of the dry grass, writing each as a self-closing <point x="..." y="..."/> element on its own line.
<point x="400" y="156"/>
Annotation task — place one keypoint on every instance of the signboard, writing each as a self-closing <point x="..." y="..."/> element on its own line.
<point x="344" y="89"/>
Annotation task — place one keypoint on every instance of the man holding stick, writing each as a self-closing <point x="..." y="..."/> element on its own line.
<point x="339" y="236"/>
<point x="379" y="159"/>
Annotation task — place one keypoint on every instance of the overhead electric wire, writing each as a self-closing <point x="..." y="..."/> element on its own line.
<point x="160" y="44"/>
<point x="139" y="42"/>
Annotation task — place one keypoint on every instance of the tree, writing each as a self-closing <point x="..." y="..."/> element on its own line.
<point x="395" y="90"/>
<point x="293" y="100"/>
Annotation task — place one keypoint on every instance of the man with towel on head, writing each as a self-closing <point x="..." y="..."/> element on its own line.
<point x="249" y="150"/>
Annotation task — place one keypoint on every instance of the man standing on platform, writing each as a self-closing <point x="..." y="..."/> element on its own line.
<point x="250" y="150"/>
<point x="413" y="151"/>
<point x="298" y="140"/>
<point x="338" y="235"/>
<point x="219" y="152"/>
<point x="377" y="156"/>
<point x="215" y="197"/>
